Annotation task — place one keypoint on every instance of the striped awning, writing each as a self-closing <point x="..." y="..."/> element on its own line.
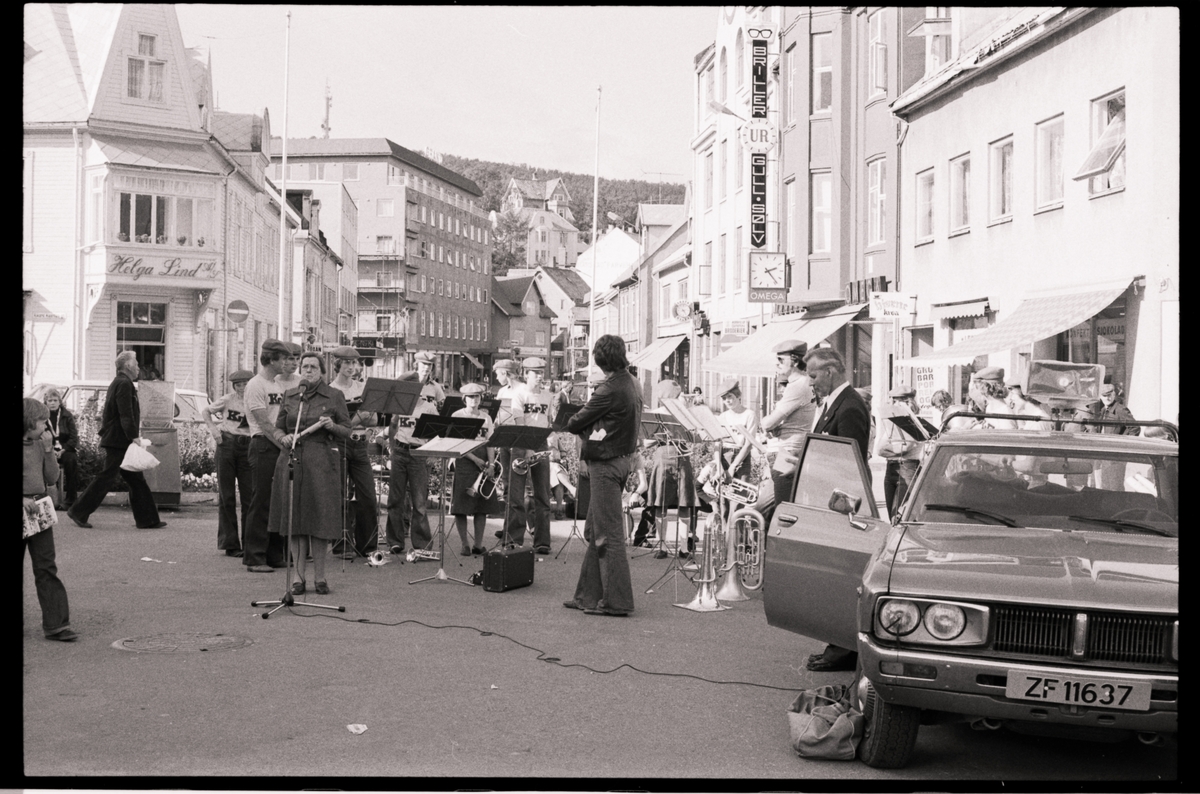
<point x="472" y="359"/>
<point x="753" y="355"/>
<point x="656" y="352"/>
<point x="1038" y="317"/>
<point x="946" y="311"/>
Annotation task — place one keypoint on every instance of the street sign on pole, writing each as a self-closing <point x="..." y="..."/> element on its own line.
<point x="237" y="312"/>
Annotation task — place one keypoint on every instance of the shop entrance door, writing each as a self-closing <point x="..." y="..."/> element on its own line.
<point x="142" y="328"/>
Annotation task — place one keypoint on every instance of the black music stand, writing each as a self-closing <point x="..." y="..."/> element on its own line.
<point x="455" y="403"/>
<point x="383" y="396"/>
<point x="520" y="437"/>
<point x="451" y="438"/>
<point x="663" y="429"/>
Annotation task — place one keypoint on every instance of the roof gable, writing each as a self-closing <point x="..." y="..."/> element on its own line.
<point x="53" y="87"/>
<point x="660" y="214"/>
<point x="570" y="282"/>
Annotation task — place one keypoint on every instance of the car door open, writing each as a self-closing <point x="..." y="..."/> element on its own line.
<point x="817" y="546"/>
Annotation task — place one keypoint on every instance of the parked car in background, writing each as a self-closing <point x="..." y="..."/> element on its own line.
<point x="78" y="394"/>
<point x="1030" y="581"/>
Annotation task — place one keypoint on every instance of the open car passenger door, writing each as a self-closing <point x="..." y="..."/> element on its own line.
<point x="816" y="555"/>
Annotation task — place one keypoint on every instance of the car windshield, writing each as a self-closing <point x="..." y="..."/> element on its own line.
<point x="1063" y="489"/>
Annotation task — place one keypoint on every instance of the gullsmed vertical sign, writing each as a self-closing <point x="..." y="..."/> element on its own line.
<point x="759" y="39"/>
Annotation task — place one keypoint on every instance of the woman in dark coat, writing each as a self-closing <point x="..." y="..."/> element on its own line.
<point x="317" y="488"/>
<point x="66" y="436"/>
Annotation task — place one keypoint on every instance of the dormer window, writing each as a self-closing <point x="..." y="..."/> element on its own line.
<point x="145" y="78"/>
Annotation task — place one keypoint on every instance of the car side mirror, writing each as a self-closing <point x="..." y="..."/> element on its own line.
<point x="844" y="503"/>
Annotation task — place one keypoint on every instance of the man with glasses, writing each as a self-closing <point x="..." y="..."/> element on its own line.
<point x="792" y="417"/>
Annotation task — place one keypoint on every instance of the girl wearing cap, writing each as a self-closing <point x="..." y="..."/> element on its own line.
<point x="467" y="469"/>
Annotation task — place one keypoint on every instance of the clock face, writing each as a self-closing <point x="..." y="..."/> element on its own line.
<point x="767" y="270"/>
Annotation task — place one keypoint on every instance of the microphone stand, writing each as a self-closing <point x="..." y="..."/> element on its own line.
<point x="288" y="599"/>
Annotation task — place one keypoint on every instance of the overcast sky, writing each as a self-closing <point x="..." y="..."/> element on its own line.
<point x="508" y="84"/>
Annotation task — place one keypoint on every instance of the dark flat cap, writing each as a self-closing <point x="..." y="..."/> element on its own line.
<point x="293" y="349"/>
<point x="794" y="346"/>
<point x="240" y="376"/>
<point x="345" y="351"/>
<point x="990" y="373"/>
<point x="275" y="346"/>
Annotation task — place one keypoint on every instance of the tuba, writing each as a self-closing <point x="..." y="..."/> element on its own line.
<point x="485" y="483"/>
<point x="744" y="549"/>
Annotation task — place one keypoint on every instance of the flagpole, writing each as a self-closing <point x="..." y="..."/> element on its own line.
<point x="283" y="170"/>
<point x="595" y="236"/>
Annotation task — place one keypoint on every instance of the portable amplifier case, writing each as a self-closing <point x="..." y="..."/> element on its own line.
<point x="507" y="569"/>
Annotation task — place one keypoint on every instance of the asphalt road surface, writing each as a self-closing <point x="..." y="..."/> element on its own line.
<point x="454" y="685"/>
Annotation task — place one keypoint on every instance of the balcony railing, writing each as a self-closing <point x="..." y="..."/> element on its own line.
<point x="381" y="284"/>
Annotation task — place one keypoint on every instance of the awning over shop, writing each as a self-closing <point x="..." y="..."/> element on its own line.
<point x="753" y="356"/>
<point x="472" y="359"/>
<point x="946" y="311"/>
<point x="1038" y="317"/>
<point x="657" y="351"/>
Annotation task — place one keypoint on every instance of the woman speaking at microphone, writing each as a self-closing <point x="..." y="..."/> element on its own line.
<point x="320" y="411"/>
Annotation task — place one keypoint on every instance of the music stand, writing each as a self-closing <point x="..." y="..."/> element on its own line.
<point x="455" y="403"/>
<point x="383" y="396"/>
<point x="451" y="438"/>
<point x="520" y="437"/>
<point x="704" y="426"/>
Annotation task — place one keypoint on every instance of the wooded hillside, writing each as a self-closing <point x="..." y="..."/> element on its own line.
<point x="619" y="196"/>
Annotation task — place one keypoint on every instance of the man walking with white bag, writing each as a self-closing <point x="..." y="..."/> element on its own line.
<point x="120" y="426"/>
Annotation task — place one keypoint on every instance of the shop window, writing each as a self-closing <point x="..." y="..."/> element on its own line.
<point x="142" y="328"/>
<point x="1104" y="166"/>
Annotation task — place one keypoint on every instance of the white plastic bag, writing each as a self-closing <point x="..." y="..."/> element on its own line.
<point x="138" y="459"/>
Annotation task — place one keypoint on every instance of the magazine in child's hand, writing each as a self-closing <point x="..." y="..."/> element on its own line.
<point x="44" y="518"/>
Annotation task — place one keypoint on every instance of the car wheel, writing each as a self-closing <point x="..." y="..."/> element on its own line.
<point x="889" y="732"/>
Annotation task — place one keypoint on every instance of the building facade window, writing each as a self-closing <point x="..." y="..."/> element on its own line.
<point x="876" y="200"/>
<point x="960" y="193"/>
<point x="664" y="303"/>
<point x="924" y="228"/>
<point x="877" y="54"/>
<point x="708" y="180"/>
<point x="739" y="49"/>
<point x="706" y="271"/>
<point x="146" y="70"/>
<point x="164" y="212"/>
<point x="723" y="178"/>
<point x="316" y="172"/>
<point x="822" y="72"/>
<point x="721" y="283"/>
<point x="1000" y="180"/>
<point x="820" y="201"/>
<point x="724" y="76"/>
<point x="738" y="264"/>
<point x="789" y="219"/>
<point x="142" y="328"/>
<point x="1049" y="163"/>
<point x="1104" y="167"/>
<point x="385" y="208"/>
<point x="350" y="172"/>
<point x="790" y="76"/>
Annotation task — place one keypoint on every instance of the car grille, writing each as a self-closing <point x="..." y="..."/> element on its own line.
<point x="1134" y="639"/>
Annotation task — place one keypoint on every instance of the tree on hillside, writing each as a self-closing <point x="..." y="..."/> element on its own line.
<point x="510" y="234"/>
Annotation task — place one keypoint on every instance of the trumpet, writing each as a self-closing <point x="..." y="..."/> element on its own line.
<point x="521" y="466"/>
<point x="485" y="484"/>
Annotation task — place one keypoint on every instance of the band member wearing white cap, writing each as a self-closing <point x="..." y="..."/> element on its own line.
<point x="792" y="417"/>
<point x="263" y="550"/>
<point x="742" y="423"/>
<point x="506" y="375"/>
<point x="533" y="406"/>
<point x="467" y="468"/>
<point x="233" y="461"/>
<point x="347" y="367"/>
<point x="410" y="474"/>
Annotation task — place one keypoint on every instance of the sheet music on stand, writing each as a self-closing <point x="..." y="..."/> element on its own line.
<point x="665" y="428"/>
<point x="915" y="427"/>
<point x="455" y="403"/>
<point x="383" y="396"/>
<point x="699" y="419"/>
<point x="565" y="412"/>
<point x="450" y="437"/>
<point x="518" y="436"/>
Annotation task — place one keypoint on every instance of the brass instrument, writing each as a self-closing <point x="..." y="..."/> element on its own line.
<point x="706" y="599"/>
<point x="485" y="484"/>
<point x="520" y="466"/>
<point x="744" y="551"/>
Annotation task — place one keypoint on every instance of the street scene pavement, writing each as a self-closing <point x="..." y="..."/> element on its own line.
<point x="176" y="675"/>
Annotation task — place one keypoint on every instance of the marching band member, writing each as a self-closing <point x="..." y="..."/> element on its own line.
<point x="742" y="423"/>
<point x="792" y="417"/>
<point x="466" y="471"/>
<point x="903" y="452"/>
<point x="533" y="407"/>
<point x="233" y="461"/>
<point x="410" y="474"/>
<point x="506" y="376"/>
<point x="347" y="367"/>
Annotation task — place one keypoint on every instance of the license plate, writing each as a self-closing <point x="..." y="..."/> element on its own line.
<point x="1090" y="692"/>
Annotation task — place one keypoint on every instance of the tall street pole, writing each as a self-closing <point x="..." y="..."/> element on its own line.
<point x="283" y="274"/>
<point x="595" y="238"/>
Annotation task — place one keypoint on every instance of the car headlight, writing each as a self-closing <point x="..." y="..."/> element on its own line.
<point x="945" y="621"/>
<point x="899" y="617"/>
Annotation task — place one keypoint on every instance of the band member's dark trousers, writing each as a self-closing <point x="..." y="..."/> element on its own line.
<point x="516" y="515"/>
<point x="604" y="580"/>
<point x="145" y="512"/>
<point x="234" y="478"/>
<point x="261" y="546"/>
<point x="365" y="532"/>
<point x="409" y="475"/>
<point x="539" y="474"/>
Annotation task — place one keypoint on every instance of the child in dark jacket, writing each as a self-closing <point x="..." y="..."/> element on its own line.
<point x="40" y="469"/>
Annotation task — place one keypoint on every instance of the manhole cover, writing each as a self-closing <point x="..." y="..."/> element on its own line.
<point x="181" y="643"/>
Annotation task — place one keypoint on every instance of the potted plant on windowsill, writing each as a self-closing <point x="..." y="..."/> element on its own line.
<point x="143" y="238"/>
<point x="200" y="241"/>
<point x="122" y="237"/>
<point x="182" y="239"/>
<point x="161" y="239"/>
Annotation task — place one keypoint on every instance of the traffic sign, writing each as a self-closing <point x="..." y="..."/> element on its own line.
<point x="237" y="311"/>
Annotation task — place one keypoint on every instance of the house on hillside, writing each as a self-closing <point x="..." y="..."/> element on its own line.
<point x="522" y="323"/>
<point x="544" y="205"/>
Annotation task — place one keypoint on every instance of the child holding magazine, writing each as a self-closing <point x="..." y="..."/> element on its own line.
<point x="39" y="472"/>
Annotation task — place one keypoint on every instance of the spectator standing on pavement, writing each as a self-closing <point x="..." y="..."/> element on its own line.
<point x="1114" y="410"/>
<point x="842" y="413"/>
<point x="40" y="471"/>
<point x="65" y="435"/>
<point x="347" y="368"/>
<point x="792" y="417"/>
<point x="234" y="472"/>
<point x="409" y="473"/>
<point x="533" y="406"/>
<point x="609" y="425"/>
<point x="311" y="421"/>
<point x="902" y="451"/>
<point x="264" y="551"/>
<point x="120" y="426"/>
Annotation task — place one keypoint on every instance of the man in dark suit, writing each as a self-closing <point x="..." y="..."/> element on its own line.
<point x="120" y="426"/>
<point x="609" y="425"/>
<point x="842" y="413"/>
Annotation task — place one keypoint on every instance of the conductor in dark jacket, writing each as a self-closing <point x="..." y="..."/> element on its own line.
<point x="842" y="412"/>
<point x="120" y="426"/>
<point x="609" y="425"/>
